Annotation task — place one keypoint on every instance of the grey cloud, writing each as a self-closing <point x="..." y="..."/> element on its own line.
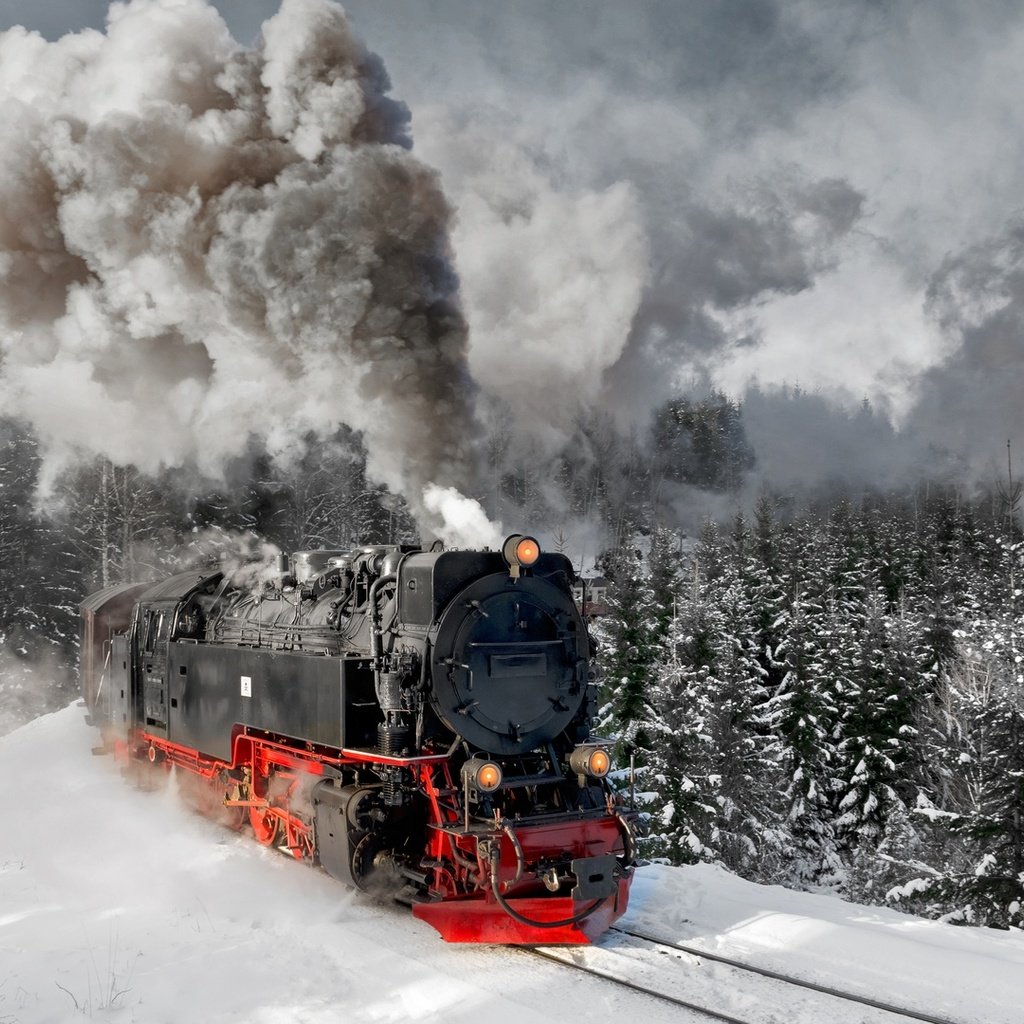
<point x="776" y="239"/>
<point x="971" y="402"/>
<point x="715" y="52"/>
<point x="663" y="190"/>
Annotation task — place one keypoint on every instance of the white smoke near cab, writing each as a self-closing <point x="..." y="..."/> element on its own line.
<point x="202" y="243"/>
<point x="464" y="521"/>
<point x="249" y="559"/>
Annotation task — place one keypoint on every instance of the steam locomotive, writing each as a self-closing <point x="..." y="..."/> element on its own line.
<point x="416" y="722"/>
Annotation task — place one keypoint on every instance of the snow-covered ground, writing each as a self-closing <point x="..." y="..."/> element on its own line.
<point x="122" y="906"/>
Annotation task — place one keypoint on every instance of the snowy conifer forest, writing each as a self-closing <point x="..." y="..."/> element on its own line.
<point x="819" y="686"/>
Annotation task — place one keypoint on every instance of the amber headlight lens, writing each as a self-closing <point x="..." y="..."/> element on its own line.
<point x="482" y="775"/>
<point x="590" y="759"/>
<point x="520" y="551"/>
<point x="527" y="551"/>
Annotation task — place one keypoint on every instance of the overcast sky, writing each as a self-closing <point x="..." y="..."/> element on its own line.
<point x="825" y="192"/>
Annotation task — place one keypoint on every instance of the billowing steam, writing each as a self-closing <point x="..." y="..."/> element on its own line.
<point x="819" y="185"/>
<point x="461" y="517"/>
<point x="200" y="243"/>
<point x="551" y="277"/>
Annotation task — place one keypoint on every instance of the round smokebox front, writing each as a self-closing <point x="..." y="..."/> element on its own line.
<point x="509" y="664"/>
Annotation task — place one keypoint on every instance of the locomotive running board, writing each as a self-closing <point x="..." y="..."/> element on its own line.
<point x="480" y="920"/>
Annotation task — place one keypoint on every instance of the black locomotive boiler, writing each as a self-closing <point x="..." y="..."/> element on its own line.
<point x="413" y="721"/>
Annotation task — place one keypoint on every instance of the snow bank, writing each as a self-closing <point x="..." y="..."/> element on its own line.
<point x="970" y="974"/>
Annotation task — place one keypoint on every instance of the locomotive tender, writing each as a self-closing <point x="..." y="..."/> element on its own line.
<point x="416" y="722"/>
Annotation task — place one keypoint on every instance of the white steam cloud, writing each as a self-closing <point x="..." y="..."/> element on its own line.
<point x="552" y="275"/>
<point x="200" y="243"/>
<point x="464" y="522"/>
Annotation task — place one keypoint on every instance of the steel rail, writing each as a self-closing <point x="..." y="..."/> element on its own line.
<point x="787" y="979"/>
<point x="546" y="954"/>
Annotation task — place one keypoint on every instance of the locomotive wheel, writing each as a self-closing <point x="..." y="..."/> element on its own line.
<point x="265" y="825"/>
<point x="373" y="867"/>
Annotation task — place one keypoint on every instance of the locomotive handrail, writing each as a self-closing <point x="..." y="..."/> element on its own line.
<point x="516" y="643"/>
<point x="370" y="755"/>
<point x="541" y="779"/>
<point x="108" y="646"/>
<point x="487" y="826"/>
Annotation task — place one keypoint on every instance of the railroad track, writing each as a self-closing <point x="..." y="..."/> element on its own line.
<point x="555" y="955"/>
<point x="623" y="964"/>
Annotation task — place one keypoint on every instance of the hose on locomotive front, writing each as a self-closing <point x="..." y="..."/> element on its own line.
<point x="629" y="856"/>
<point x="518" y="847"/>
<point x="522" y="918"/>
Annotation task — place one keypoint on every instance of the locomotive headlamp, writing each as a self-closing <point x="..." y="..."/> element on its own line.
<point x="482" y="775"/>
<point x="590" y="759"/>
<point x="520" y="552"/>
<point x="527" y="551"/>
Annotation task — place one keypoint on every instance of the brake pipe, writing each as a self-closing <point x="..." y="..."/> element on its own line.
<point x="522" y="919"/>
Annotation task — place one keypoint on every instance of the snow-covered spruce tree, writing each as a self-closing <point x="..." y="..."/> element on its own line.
<point x="681" y="757"/>
<point x="803" y="714"/>
<point x="624" y="649"/>
<point x="752" y="834"/>
<point x="947" y="549"/>
<point x="974" y="803"/>
<point x="700" y="442"/>
<point x="878" y="662"/>
<point x="714" y="761"/>
<point x="880" y="685"/>
<point x="632" y="635"/>
<point x="774" y="569"/>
